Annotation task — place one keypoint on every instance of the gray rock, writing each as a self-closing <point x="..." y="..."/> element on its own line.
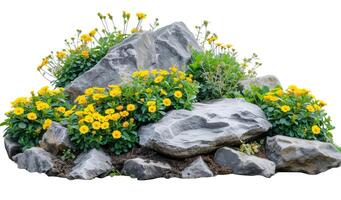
<point x="268" y="80"/>
<point x="197" y="169"/>
<point x="170" y="45"/>
<point x="91" y="164"/>
<point x="11" y="147"/>
<point x="34" y="159"/>
<point x="299" y="155"/>
<point x="55" y="139"/>
<point x="244" y="164"/>
<point x="209" y="126"/>
<point x="145" y="169"/>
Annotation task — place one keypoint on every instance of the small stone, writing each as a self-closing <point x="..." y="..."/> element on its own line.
<point x="244" y="164"/>
<point x="300" y="155"/>
<point x="91" y="164"/>
<point x="34" y="159"/>
<point x="145" y="169"/>
<point x="268" y="80"/>
<point x="197" y="169"/>
<point x="55" y="139"/>
<point x="12" y="148"/>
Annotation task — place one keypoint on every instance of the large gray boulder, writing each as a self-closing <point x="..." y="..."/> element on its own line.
<point x="55" y="139"/>
<point x="34" y="159"/>
<point x="143" y="169"/>
<point x="167" y="46"/>
<point x="244" y="164"/>
<point x="209" y="126"/>
<point x="91" y="164"/>
<point x="197" y="169"/>
<point x="12" y="147"/>
<point x="268" y="80"/>
<point x="299" y="155"/>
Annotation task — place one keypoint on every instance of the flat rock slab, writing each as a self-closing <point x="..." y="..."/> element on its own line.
<point x="209" y="126"/>
<point x="143" y="169"/>
<point x="91" y="164"/>
<point x="299" y="155"/>
<point x="244" y="164"/>
<point x="55" y="139"/>
<point x="197" y="169"/>
<point x="11" y="147"/>
<point x="167" y="46"/>
<point x="34" y="159"/>
<point x="268" y="81"/>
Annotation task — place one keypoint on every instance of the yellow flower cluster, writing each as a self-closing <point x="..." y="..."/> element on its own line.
<point x="141" y="16"/>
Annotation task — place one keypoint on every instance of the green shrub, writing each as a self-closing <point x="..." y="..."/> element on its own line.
<point x="109" y="117"/>
<point x="86" y="49"/>
<point x="294" y="112"/>
<point x="249" y="148"/>
<point x="30" y="117"/>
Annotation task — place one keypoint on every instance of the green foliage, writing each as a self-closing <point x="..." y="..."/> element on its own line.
<point x="294" y="112"/>
<point x="109" y="117"/>
<point x="249" y="148"/>
<point x="114" y="172"/>
<point x="30" y="117"/>
<point x="68" y="154"/>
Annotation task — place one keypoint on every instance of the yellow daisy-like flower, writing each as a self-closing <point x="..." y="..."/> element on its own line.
<point x="131" y="107"/>
<point x="163" y="92"/>
<point x="86" y="38"/>
<point x="119" y="108"/>
<point x="134" y="30"/>
<point x="89" y="91"/>
<point x="154" y="71"/>
<point x="44" y="90"/>
<point x="85" y="54"/>
<point x="285" y="108"/>
<point x="124" y="113"/>
<point x="89" y="119"/>
<point x="178" y="94"/>
<point x="19" y="111"/>
<point x="316" y="129"/>
<point x="60" y="54"/>
<point x="317" y="107"/>
<point x="125" y="124"/>
<point x="84" y="129"/>
<point x="158" y="79"/>
<point x="47" y="123"/>
<point x="310" y="108"/>
<point x="61" y="109"/>
<point x="173" y="69"/>
<point x="105" y="125"/>
<point x="81" y="99"/>
<point x="32" y="116"/>
<point x="96" y="125"/>
<point x="151" y="103"/>
<point x="42" y="105"/>
<point x="152" y="109"/>
<point x="322" y="103"/>
<point x="116" y="134"/>
<point x="109" y="111"/>
<point x="115" y="92"/>
<point x="141" y="16"/>
<point x="115" y="116"/>
<point x="167" y="102"/>
<point x="93" y="32"/>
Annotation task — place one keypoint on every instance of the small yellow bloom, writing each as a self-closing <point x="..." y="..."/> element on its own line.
<point x="89" y="119"/>
<point x="158" y="79"/>
<point x="109" y="111"/>
<point x="105" y="125"/>
<point x="316" y="129"/>
<point x="152" y="109"/>
<point x="68" y="113"/>
<point x="32" y="116"/>
<point x="173" y="69"/>
<point x="124" y="113"/>
<point x="178" y="94"/>
<point x="81" y="99"/>
<point x="151" y="103"/>
<point x="61" y="109"/>
<point x="85" y="54"/>
<point x="93" y="32"/>
<point x="115" y="116"/>
<point x="149" y="90"/>
<point x="86" y="38"/>
<point x="285" y="108"/>
<point x="89" y="91"/>
<point x="125" y="124"/>
<point x="19" y="111"/>
<point x="134" y="30"/>
<point x="60" y="54"/>
<point x="47" y="123"/>
<point x="317" y="107"/>
<point x="141" y="16"/>
<point x="116" y="134"/>
<point x="119" y="107"/>
<point x="44" y="90"/>
<point x="96" y="125"/>
<point x="131" y="107"/>
<point x="115" y="92"/>
<point x="84" y="129"/>
<point x="310" y="108"/>
<point x="322" y="103"/>
<point x="167" y="102"/>
<point x="163" y="92"/>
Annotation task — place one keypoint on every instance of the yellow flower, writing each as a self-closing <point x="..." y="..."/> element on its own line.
<point x="89" y="91"/>
<point x="81" y="99"/>
<point x="213" y="38"/>
<point x="109" y="111"/>
<point x="152" y="109"/>
<point x="151" y="103"/>
<point x="316" y="129"/>
<point x="68" y="113"/>
<point x="47" y="123"/>
<point x="115" y="92"/>
<point x="154" y="71"/>
<point x="149" y="90"/>
<point x="44" y="62"/>
<point x="115" y="116"/>
<point x="84" y="129"/>
<point x="97" y="96"/>
<point x="105" y="125"/>
<point x="134" y="30"/>
<point x="32" y="116"/>
<point x="85" y="54"/>
<point x="86" y="38"/>
<point x="229" y="46"/>
<point x="125" y="124"/>
<point x="163" y="92"/>
<point x="42" y="105"/>
<point x="96" y="125"/>
<point x="19" y="111"/>
<point x="124" y="113"/>
<point x="90" y="108"/>
<point x="93" y="32"/>
<point x="279" y="92"/>
<point x="173" y="69"/>
<point x="61" y="109"/>
<point x="141" y="16"/>
<point x="285" y="108"/>
<point x="189" y="80"/>
<point x="322" y="103"/>
<point x="317" y="107"/>
<point x="144" y="73"/>
<point x="310" y="108"/>
<point x="164" y="72"/>
<point x="131" y="107"/>
<point x="60" y="54"/>
<point x="20" y="100"/>
<point x="89" y="119"/>
<point x="44" y="90"/>
<point x="178" y="94"/>
<point x="274" y="99"/>
<point x="132" y="120"/>
<point x="119" y="108"/>
<point x="116" y="134"/>
<point x="158" y="79"/>
<point x="167" y="102"/>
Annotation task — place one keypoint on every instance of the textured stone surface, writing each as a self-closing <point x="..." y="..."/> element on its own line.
<point x="145" y="169"/>
<point x="244" y="164"/>
<point x="34" y="159"/>
<point x="299" y="155"/>
<point x="55" y="139"/>
<point x="197" y="169"/>
<point x="209" y="126"/>
<point x="268" y="80"/>
<point x="11" y="147"/>
<point x="91" y="164"/>
<point x="170" y="45"/>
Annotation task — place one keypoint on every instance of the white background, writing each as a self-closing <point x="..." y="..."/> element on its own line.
<point x="298" y="41"/>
